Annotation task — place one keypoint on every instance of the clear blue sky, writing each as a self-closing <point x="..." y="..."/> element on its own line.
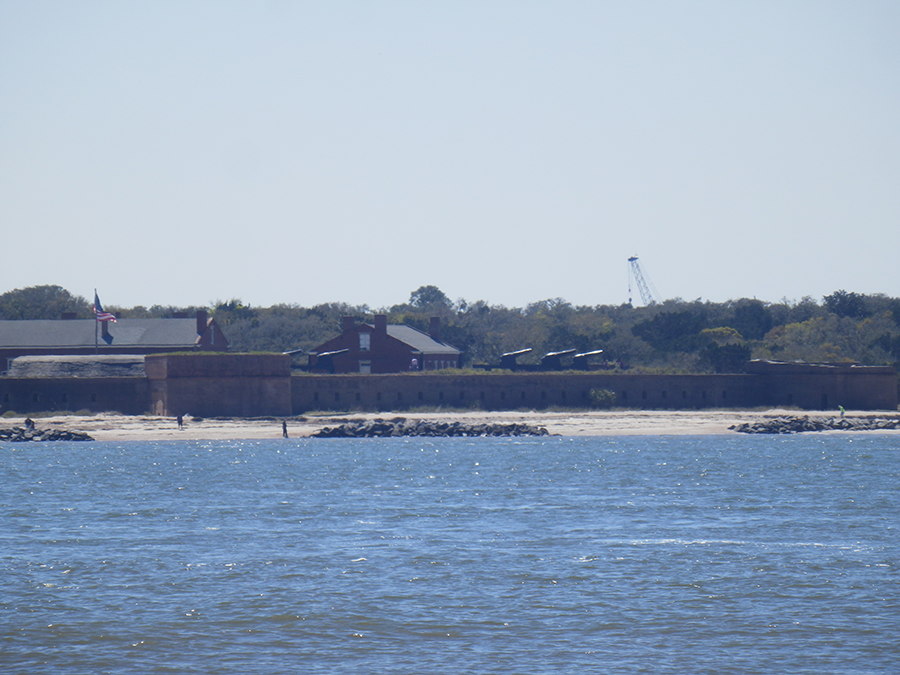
<point x="182" y="152"/>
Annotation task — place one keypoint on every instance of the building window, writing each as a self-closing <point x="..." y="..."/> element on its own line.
<point x="364" y="341"/>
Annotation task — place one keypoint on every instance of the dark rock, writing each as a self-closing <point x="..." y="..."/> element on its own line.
<point x="798" y="424"/>
<point x="399" y="426"/>
<point x="19" y="435"/>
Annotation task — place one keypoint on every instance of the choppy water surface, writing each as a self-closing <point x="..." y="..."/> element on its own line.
<point x="553" y="555"/>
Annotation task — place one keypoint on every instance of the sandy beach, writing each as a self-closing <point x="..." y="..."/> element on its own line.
<point x="113" y="427"/>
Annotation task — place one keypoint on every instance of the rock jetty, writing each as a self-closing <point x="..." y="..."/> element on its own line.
<point x="19" y="435"/>
<point x="379" y="428"/>
<point x="796" y="424"/>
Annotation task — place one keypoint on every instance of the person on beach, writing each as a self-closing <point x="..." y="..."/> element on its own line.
<point x="180" y="420"/>
<point x="29" y="424"/>
<point x="284" y="429"/>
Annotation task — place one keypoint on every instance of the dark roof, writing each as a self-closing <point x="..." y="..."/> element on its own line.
<point x="111" y="365"/>
<point x="80" y="333"/>
<point x="418" y="340"/>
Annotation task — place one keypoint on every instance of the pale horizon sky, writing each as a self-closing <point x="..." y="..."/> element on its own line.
<point x="179" y="153"/>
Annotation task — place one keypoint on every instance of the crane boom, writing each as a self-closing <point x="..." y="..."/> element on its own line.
<point x="643" y="287"/>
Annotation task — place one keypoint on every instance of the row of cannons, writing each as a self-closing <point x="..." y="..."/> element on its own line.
<point x="552" y="361"/>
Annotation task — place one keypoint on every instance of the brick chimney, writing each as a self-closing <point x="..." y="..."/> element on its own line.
<point x="347" y="323"/>
<point x="69" y="316"/>
<point x="435" y="330"/>
<point x="381" y="323"/>
<point x="202" y="321"/>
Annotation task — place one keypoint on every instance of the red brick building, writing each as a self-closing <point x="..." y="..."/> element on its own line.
<point x="383" y="348"/>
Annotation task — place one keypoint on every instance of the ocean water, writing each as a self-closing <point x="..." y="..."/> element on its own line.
<point x="725" y="554"/>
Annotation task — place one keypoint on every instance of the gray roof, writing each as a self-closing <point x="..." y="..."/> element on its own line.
<point x="80" y="333"/>
<point x="418" y="340"/>
<point x="130" y="365"/>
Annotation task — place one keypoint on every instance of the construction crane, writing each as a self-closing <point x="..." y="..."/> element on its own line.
<point x="634" y="271"/>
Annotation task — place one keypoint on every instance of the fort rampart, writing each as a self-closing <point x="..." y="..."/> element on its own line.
<point x="251" y="385"/>
<point x="520" y="390"/>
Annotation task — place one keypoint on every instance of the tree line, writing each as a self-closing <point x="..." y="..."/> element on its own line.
<point x="674" y="336"/>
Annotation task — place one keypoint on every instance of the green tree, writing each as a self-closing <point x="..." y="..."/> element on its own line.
<point x="847" y="304"/>
<point x="752" y="320"/>
<point x="42" y="302"/>
<point x="429" y="297"/>
<point x="672" y="331"/>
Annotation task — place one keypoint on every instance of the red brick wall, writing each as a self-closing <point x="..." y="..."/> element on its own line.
<point x="26" y="395"/>
<point x="521" y="390"/>
<point x="212" y="385"/>
<point x="168" y="366"/>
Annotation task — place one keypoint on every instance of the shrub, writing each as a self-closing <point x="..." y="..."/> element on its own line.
<point x="602" y="398"/>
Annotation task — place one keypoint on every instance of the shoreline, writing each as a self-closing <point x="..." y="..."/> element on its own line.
<point x="115" y="427"/>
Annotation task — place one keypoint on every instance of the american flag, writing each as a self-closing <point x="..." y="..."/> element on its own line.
<point x="99" y="313"/>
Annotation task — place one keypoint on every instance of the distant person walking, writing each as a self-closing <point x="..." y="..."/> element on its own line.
<point x="842" y="410"/>
<point x="284" y="429"/>
<point x="180" y="420"/>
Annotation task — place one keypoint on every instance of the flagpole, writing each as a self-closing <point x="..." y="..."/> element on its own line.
<point x="96" y="345"/>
